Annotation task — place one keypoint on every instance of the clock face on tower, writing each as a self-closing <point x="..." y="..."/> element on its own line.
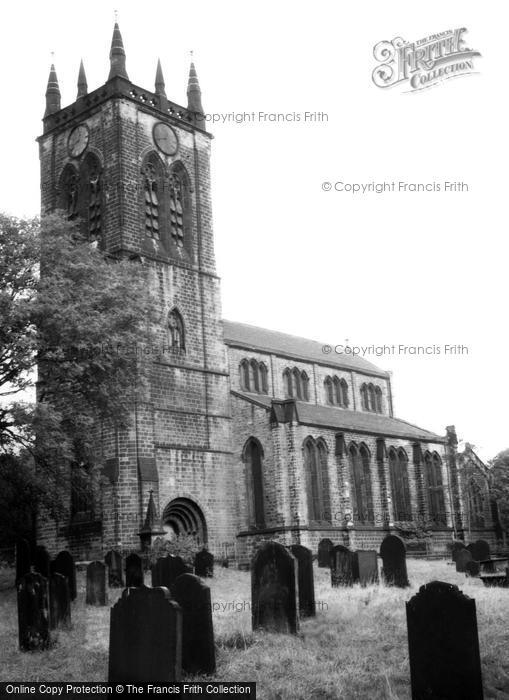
<point x="77" y="141"/>
<point x="165" y="138"/>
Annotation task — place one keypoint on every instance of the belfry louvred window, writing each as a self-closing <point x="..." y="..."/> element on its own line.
<point x="69" y="192"/>
<point x="177" y="208"/>
<point x="92" y="196"/>
<point x="151" y="200"/>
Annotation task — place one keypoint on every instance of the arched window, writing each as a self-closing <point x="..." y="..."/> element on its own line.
<point x="153" y="188"/>
<point x="179" y="205"/>
<point x="329" y="391"/>
<point x="398" y="468"/>
<point x="244" y="375"/>
<point x="287" y="379"/>
<point x="378" y="398"/>
<point x="372" y="397"/>
<point x="253" y="367"/>
<point x="69" y="192"/>
<point x="305" y="386"/>
<point x="361" y="477"/>
<point x="435" y="488"/>
<point x="297" y="388"/>
<point x="176" y="331"/>
<point x="91" y="193"/>
<point x="476" y="504"/>
<point x="344" y="393"/>
<point x="317" y="480"/>
<point x="337" y="391"/>
<point x="264" y="385"/>
<point x="326" y="514"/>
<point x="364" y="397"/>
<point x="253" y="459"/>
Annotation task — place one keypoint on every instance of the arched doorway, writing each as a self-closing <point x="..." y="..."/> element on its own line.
<point x="184" y="517"/>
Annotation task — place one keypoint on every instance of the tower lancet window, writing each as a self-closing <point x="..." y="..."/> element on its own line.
<point x="92" y="196"/>
<point x="69" y="188"/>
<point x="151" y="200"/>
<point x="176" y="209"/>
<point x="176" y="332"/>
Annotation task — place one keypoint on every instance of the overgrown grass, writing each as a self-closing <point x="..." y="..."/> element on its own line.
<point x="356" y="647"/>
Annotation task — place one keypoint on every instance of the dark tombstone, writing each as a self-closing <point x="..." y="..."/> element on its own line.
<point x="366" y="565"/>
<point x="393" y="553"/>
<point x="114" y="563"/>
<point x="306" y="581"/>
<point x="42" y="561"/>
<point x="324" y="552"/>
<point x="341" y="566"/>
<point x="23" y="558"/>
<point x="471" y="548"/>
<point x="145" y="637"/>
<point x="59" y="601"/>
<point x="133" y="571"/>
<point x="198" y="651"/>
<point x="461" y="560"/>
<point x="443" y="644"/>
<point x="274" y="590"/>
<point x="33" y="612"/>
<point x="472" y="568"/>
<point x="457" y="547"/>
<point x="167" y="569"/>
<point x="204" y="564"/>
<point x="480" y="550"/>
<point x="225" y="563"/>
<point x="64" y="564"/>
<point x="97" y="593"/>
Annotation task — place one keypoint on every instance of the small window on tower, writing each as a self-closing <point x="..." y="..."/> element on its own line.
<point x="69" y="192"/>
<point x="176" y="332"/>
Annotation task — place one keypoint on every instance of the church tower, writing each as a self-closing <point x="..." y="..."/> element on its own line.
<point x="134" y="167"/>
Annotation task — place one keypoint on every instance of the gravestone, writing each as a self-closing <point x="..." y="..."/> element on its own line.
<point x="472" y="568"/>
<point x="97" y="593"/>
<point x="64" y="564"/>
<point x="393" y="553"/>
<point x="42" y="561"/>
<point x="133" y="571"/>
<point x="274" y="590"/>
<point x="306" y="581"/>
<point x="145" y="637"/>
<point x="461" y="560"/>
<point x="198" y="651"/>
<point x="114" y="563"/>
<point x="342" y="566"/>
<point x="457" y="547"/>
<point x="59" y="602"/>
<point x="366" y="566"/>
<point x="167" y="569"/>
<point x="443" y="644"/>
<point x="23" y="558"/>
<point x="204" y="564"/>
<point x="480" y="550"/>
<point x="33" y="612"/>
<point x="324" y="552"/>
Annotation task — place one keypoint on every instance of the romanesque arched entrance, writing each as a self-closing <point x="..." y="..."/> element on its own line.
<point x="185" y="517"/>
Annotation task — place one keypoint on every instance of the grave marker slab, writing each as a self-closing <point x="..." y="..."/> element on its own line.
<point x="113" y="561"/>
<point x="167" y="569"/>
<point x="97" y="593"/>
<point x="23" y="558"/>
<point x="274" y="590"/>
<point x="342" y="566"/>
<point x="457" y="547"/>
<point x="133" y="571"/>
<point x="461" y="560"/>
<point x="198" y="650"/>
<point x="443" y="644"/>
<point x="480" y="550"/>
<point x="59" y="601"/>
<point x="64" y="564"/>
<point x="324" y="552"/>
<point x="472" y="568"/>
<point x="204" y="564"/>
<point x="393" y="553"/>
<point x="145" y="637"/>
<point x="304" y="557"/>
<point x="366" y="566"/>
<point x="33" y="612"/>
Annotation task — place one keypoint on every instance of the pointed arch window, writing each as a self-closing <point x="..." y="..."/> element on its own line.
<point x="361" y="478"/>
<point x="152" y="189"/>
<point x="244" y="375"/>
<point x="253" y="460"/>
<point x="253" y="373"/>
<point x="176" y="332"/>
<point x="264" y="384"/>
<point x="297" y="388"/>
<point x="476" y="504"/>
<point x="378" y="399"/>
<point x="317" y="480"/>
<point x="371" y="398"/>
<point x="287" y="379"/>
<point x="329" y="390"/>
<point x="179" y="204"/>
<point x="91" y="176"/>
<point x="344" y="392"/>
<point x="398" y="468"/>
<point x="305" y="386"/>
<point x="253" y="376"/>
<point x="336" y="391"/>
<point x="296" y="384"/>
<point x="435" y="488"/>
<point x="69" y="192"/>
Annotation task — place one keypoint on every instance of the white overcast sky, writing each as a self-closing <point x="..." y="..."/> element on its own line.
<point x="396" y="268"/>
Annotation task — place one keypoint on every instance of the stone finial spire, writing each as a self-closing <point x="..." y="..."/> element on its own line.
<point x="160" y="80"/>
<point x="52" y="93"/>
<point x="82" y="81"/>
<point x="194" y="92"/>
<point x="117" y="55"/>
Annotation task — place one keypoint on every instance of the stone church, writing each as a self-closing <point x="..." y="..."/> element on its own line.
<point x="246" y="434"/>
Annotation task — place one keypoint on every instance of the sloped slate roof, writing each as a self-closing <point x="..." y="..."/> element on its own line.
<point x="291" y="346"/>
<point x="353" y="421"/>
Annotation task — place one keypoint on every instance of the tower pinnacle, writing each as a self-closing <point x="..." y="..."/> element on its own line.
<point x="193" y="91"/>
<point x="160" y="80"/>
<point x="52" y="93"/>
<point x="117" y="55"/>
<point x="82" y="81"/>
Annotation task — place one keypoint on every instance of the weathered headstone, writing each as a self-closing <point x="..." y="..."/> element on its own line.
<point x="166" y="570"/>
<point x="461" y="560"/>
<point x="342" y="566"/>
<point x="472" y="568"/>
<point x="113" y="561"/>
<point x="366" y="565"/>
<point x="133" y="571"/>
<point x="23" y="558"/>
<point x="97" y="593"/>
<point x="324" y="552"/>
<point x="42" y="561"/>
<point x="274" y="590"/>
<point x="393" y="553"/>
<point x="64" y="564"/>
<point x="306" y="581"/>
<point x="204" y="564"/>
<point x="443" y="644"/>
<point x="198" y="651"/>
<point x="33" y="612"/>
<point x="457" y="547"/>
<point x="59" y="601"/>
<point x="145" y="637"/>
<point x="480" y="550"/>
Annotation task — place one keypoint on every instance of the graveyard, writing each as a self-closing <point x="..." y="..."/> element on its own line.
<point x="355" y="647"/>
